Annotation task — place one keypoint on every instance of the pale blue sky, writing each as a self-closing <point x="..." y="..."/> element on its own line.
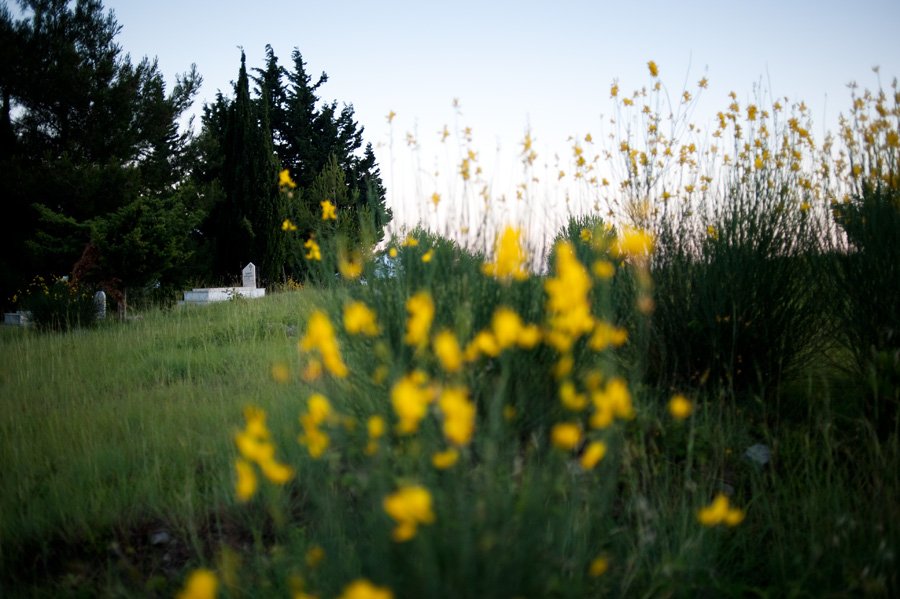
<point x="547" y="64"/>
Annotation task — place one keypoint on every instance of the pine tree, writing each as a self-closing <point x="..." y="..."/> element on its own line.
<point x="85" y="132"/>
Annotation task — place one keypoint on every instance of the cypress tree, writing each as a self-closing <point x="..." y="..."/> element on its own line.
<point x="246" y="222"/>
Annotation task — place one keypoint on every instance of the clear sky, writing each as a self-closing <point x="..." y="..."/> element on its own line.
<point x="513" y="64"/>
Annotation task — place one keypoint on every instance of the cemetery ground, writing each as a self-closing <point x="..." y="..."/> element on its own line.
<point x="117" y="479"/>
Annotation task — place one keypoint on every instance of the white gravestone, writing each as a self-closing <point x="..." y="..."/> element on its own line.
<point x="249" y="276"/>
<point x="100" y="304"/>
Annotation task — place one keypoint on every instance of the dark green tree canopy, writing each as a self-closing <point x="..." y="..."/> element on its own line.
<point x="85" y="133"/>
<point x="309" y="137"/>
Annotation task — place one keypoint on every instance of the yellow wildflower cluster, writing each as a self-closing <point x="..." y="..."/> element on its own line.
<point x="446" y="349"/>
<point x="320" y="337"/>
<point x="285" y="181"/>
<point x="318" y="412"/>
<point x="568" y="305"/>
<point x="362" y="588"/>
<point x="287" y="225"/>
<point x="350" y="267"/>
<point x="201" y="584"/>
<point x="375" y="428"/>
<point x="410" y="398"/>
<point x="632" y="243"/>
<point x="606" y="335"/>
<point x="507" y="330"/>
<point x="510" y="257"/>
<point x="421" y="312"/>
<point x="255" y="446"/>
<point x="409" y="506"/>
<point x="611" y="402"/>
<point x="313" y="251"/>
<point x="459" y="415"/>
<point x="359" y="319"/>
<point x="680" y="407"/>
<point x="329" y="210"/>
<point x="720" y="512"/>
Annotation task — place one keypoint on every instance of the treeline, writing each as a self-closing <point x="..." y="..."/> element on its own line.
<point x="100" y="183"/>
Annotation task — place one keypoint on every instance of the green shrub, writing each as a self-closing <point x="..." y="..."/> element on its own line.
<point x="734" y="297"/>
<point x="867" y="278"/>
<point x="59" y="305"/>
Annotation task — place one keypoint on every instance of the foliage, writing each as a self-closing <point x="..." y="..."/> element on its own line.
<point x="59" y="305"/>
<point x="318" y="146"/>
<point x="244" y="225"/>
<point x="866" y="279"/>
<point x="87" y="132"/>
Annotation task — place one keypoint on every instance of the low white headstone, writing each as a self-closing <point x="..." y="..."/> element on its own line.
<point x="100" y="304"/>
<point x="249" y="276"/>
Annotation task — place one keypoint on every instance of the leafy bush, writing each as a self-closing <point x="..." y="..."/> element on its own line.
<point x="734" y="297"/>
<point x="59" y="305"/>
<point x="866" y="278"/>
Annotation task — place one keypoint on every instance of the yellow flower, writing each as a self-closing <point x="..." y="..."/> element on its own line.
<point x="392" y="252"/>
<point x="409" y="506"/>
<point x="606" y="335"/>
<point x="287" y="225"/>
<point x="320" y="336"/>
<point x="284" y="179"/>
<point x="359" y="319"/>
<point x="363" y="589"/>
<point x="435" y="199"/>
<point x="390" y="116"/>
<point x="314" y="556"/>
<point x="592" y="455"/>
<point x="246" y="484"/>
<point x="506" y="326"/>
<point x="421" y="312"/>
<point x="410" y="242"/>
<point x="603" y="269"/>
<point x="570" y="398"/>
<point x="568" y="306"/>
<point x="202" y="584"/>
<point x="585" y="235"/>
<point x="410" y="397"/>
<point x="614" y="90"/>
<point x="654" y="70"/>
<point x="313" y="252"/>
<point x="447" y="350"/>
<point x="445" y="459"/>
<point x="426" y="257"/>
<point x="459" y="415"/>
<point x="375" y="426"/>
<point x="614" y="401"/>
<point x="565" y="435"/>
<point x="318" y="408"/>
<point x="712" y="233"/>
<point x="352" y="267"/>
<point x="276" y="473"/>
<point x="720" y="512"/>
<point x="280" y="372"/>
<point x="680" y="407"/>
<point x="598" y="567"/>
<point x="510" y="258"/>
<point x="315" y="440"/>
<point x="484" y="343"/>
<point x="329" y="210"/>
<point x="633" y="242"/>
